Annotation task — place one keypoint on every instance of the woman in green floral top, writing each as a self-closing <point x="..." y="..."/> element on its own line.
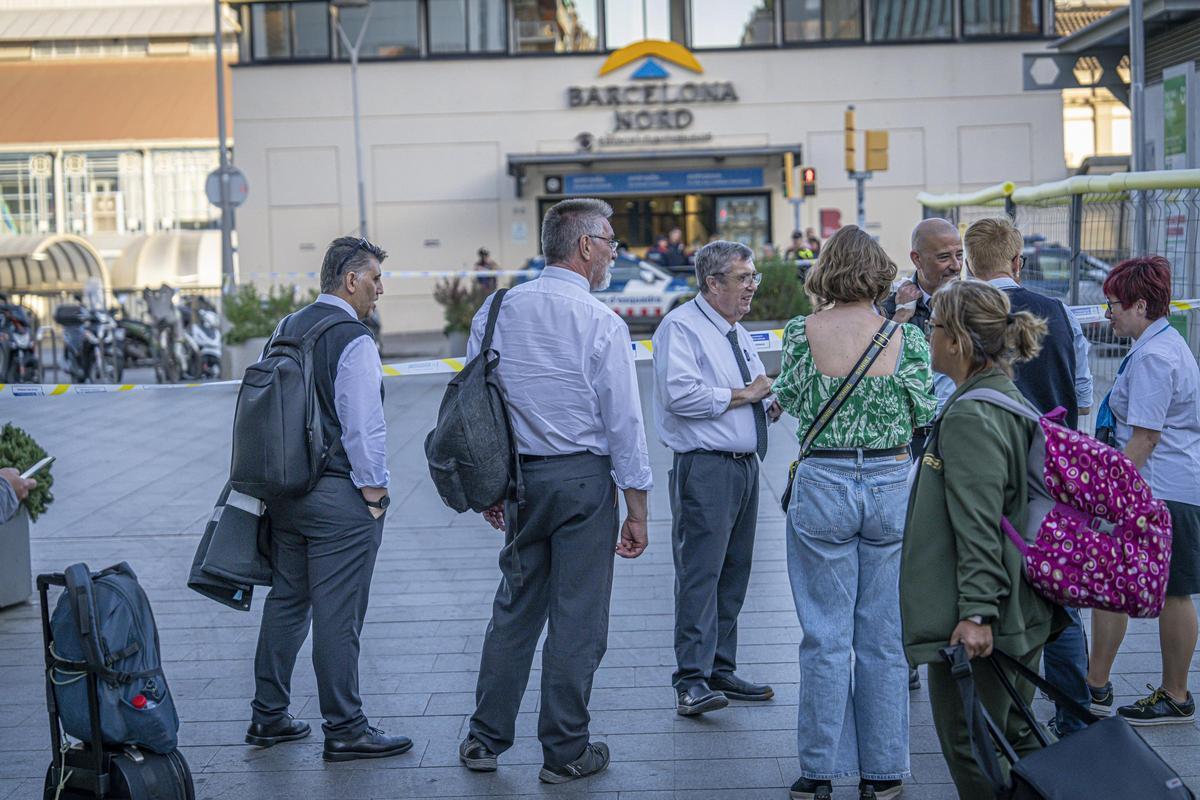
<point x="846" y="521"/>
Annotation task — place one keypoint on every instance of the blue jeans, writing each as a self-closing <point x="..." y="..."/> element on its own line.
<point x="844" y="526"/>
<point x="1065" y="662"/>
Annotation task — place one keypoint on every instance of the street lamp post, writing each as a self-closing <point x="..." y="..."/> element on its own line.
<point x="227" y="275"/>
<point x="1137" y="108"/>
<point x="352" y="49"/>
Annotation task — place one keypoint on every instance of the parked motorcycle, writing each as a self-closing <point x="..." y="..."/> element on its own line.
<point x="19" y="362"/>
<point x="93" y="344"/>
<point x="141" y="345"/>
<point x="188" y="336"/>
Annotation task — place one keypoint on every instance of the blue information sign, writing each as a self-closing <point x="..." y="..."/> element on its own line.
<point x="679" y="180"/>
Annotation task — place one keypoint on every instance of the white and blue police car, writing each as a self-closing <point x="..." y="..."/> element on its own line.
<point x="639" y="292"/>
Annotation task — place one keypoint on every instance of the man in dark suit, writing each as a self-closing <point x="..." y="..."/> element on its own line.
<point x="1059" y="376"/>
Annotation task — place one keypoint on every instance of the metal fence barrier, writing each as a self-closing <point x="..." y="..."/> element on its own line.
<point x="1076" y="230"/>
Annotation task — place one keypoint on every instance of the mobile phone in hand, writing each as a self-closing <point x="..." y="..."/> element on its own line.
<point x="38" y="467"/>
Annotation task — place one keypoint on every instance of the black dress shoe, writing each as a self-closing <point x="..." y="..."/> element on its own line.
<point x="371" y="743"/>
<point x="914" y="679"/>
<point x="735" y="688"/>
<point x="593" y="760"/>
<point x="475" y="756"/>
<point x="699" y="699"/>
<point x="288" y="729"/>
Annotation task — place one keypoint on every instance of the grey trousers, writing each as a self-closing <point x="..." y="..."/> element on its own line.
<point x="323" y="548"/>
<point x="714" y="505"/>
<point x="563" y="544"/>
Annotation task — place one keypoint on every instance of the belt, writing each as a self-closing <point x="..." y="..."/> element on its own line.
<point x="725" y="453"/>
<point x="525" y="459"/>
<point x="853" y="452"/>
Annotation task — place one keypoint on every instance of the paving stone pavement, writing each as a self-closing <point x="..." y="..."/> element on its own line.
<point x="136" y="477"/>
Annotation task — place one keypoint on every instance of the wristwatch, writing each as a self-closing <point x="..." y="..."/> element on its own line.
<point x="382" y="503"/>
<point x="976" y="618"/>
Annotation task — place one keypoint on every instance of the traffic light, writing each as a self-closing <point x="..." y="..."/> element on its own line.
<point x="808" y="181"/>
<point x="849" y="128"/>
<point x="877" y="151"/>
<point x="789" y="175"/>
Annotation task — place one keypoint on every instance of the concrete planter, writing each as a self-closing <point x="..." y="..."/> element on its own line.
<point x="236" y="357"/>
<point x="16" y="571"/>
<point x="456" y="343"/>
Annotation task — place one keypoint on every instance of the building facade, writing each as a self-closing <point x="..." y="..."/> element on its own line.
<point x="477" y="114"/>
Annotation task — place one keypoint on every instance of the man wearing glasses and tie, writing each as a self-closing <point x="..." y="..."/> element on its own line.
<point x="711" y="407"/>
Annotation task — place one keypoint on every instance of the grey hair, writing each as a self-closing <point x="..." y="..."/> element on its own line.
<point x="356" y="252"/>
<point x="566" y="222"/>
<point x="715" y="258"/>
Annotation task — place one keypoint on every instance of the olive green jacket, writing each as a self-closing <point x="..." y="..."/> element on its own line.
<point x="956" y="562"/>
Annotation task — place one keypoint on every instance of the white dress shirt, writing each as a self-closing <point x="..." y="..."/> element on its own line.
<point x="569" y="374"/>
<point x="695" y="373"/>
<point x="1157" y="390"/>
<point x="359" y="405"/>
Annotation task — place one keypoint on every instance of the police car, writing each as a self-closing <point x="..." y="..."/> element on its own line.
<point x="640" y="292"/>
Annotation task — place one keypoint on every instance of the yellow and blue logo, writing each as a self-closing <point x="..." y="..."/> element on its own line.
<point x="652" y="52"/>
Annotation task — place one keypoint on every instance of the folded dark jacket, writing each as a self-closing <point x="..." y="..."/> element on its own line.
<point x="233" y="554"/>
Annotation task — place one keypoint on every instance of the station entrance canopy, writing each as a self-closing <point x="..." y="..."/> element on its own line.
<point x="47" y="264"/>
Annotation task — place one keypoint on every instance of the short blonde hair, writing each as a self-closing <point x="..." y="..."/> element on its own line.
<point x="851" y="267"/>
<point x="978" y="318"/>
<point x="991" y="245"/>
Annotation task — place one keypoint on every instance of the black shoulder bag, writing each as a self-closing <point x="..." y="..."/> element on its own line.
<point x="879" y="343"/>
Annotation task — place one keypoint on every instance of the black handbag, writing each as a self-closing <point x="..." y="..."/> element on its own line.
<point x="1107" y="759"/>
<point x="879" y="343"/>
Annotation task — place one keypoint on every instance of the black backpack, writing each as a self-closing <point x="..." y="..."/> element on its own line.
<point x="472" y="452"/>
<point x="279" y="447"/>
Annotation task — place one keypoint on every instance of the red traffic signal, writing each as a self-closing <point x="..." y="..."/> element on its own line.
<point x="808" y="181"/>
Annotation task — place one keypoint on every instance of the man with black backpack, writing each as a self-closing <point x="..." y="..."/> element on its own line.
<point x="323" y="540"/>
<point x="568" y="372"/>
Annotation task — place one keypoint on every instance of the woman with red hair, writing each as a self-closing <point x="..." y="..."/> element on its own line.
<point x="1152" y="414"/>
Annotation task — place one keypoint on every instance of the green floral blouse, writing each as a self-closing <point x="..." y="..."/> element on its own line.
<point x="882" y="410"/>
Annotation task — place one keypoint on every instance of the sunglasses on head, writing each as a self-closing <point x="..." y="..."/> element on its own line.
<point x="360" y="245"/>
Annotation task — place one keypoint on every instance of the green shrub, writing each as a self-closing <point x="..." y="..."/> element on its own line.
<point x="459" y="300"/>
<point x="253" y="315"/>
<point x="19" y="450"/>
<point x="781" y="294"/>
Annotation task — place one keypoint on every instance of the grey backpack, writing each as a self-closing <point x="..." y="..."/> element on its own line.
<point x="103" y="626"/>
<point x="279" y="447"/>
<point x="472" y="453"/>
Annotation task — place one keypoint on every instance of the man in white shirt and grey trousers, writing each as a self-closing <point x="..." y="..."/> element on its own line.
<point x="712" y="407"/>
<point x="568" y="372"/>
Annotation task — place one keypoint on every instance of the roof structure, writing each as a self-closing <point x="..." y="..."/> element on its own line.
<point x="128" y="21"/>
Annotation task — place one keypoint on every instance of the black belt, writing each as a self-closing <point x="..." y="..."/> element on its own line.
<point x="525" y="459"/>
<point x="853" y="452"/>
<point x="725" y="453"/>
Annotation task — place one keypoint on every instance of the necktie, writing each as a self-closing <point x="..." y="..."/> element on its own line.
<point x="760" y="415"/>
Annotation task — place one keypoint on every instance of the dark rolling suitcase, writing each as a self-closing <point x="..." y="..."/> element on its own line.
<point x="1107" y="760"/>
<point x="90" y="770"/>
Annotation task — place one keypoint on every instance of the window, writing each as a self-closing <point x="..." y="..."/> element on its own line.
<point x="1002" y="17"/>
<point x="732" y="23"/>
<point x="290" y="30"/>
<point x="272" y="31"/>
<point x="629" y="21"/>
<point x="310" y="23"/>
<point x="26" y="193"/>
<point x="393" y="30"/>
<point x="554" y="26"/>
<point x="817" y="20"/>
<point x="900" y="20"/>
<point x="466" y="26"/>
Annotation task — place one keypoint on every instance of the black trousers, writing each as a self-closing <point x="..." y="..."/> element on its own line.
<point x="714" y="509"/>
<point x="323" y="548"/>
<point x="557" y="566"/>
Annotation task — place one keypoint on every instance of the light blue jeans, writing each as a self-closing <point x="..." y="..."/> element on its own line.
<point x="844" y="526"/>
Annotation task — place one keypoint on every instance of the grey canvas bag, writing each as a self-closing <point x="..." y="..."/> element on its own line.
<point x="472" y="452"/>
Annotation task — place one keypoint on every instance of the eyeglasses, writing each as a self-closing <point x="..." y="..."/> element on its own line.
<point x="362" y="244"/>
<point x="613" y="242"/>
<point x="1108" y="304"/>
<point x="746" y="279"/>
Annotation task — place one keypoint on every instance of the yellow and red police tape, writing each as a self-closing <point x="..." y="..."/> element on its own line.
<point x="764" y="341"/>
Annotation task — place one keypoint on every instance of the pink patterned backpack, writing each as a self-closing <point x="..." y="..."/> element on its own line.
<point x="1095" y="535"/>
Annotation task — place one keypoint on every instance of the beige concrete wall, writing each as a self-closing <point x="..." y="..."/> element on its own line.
<point x="436" y="135"/>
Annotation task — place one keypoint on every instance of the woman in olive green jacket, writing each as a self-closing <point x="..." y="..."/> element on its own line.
<point x="961" y="580"/>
